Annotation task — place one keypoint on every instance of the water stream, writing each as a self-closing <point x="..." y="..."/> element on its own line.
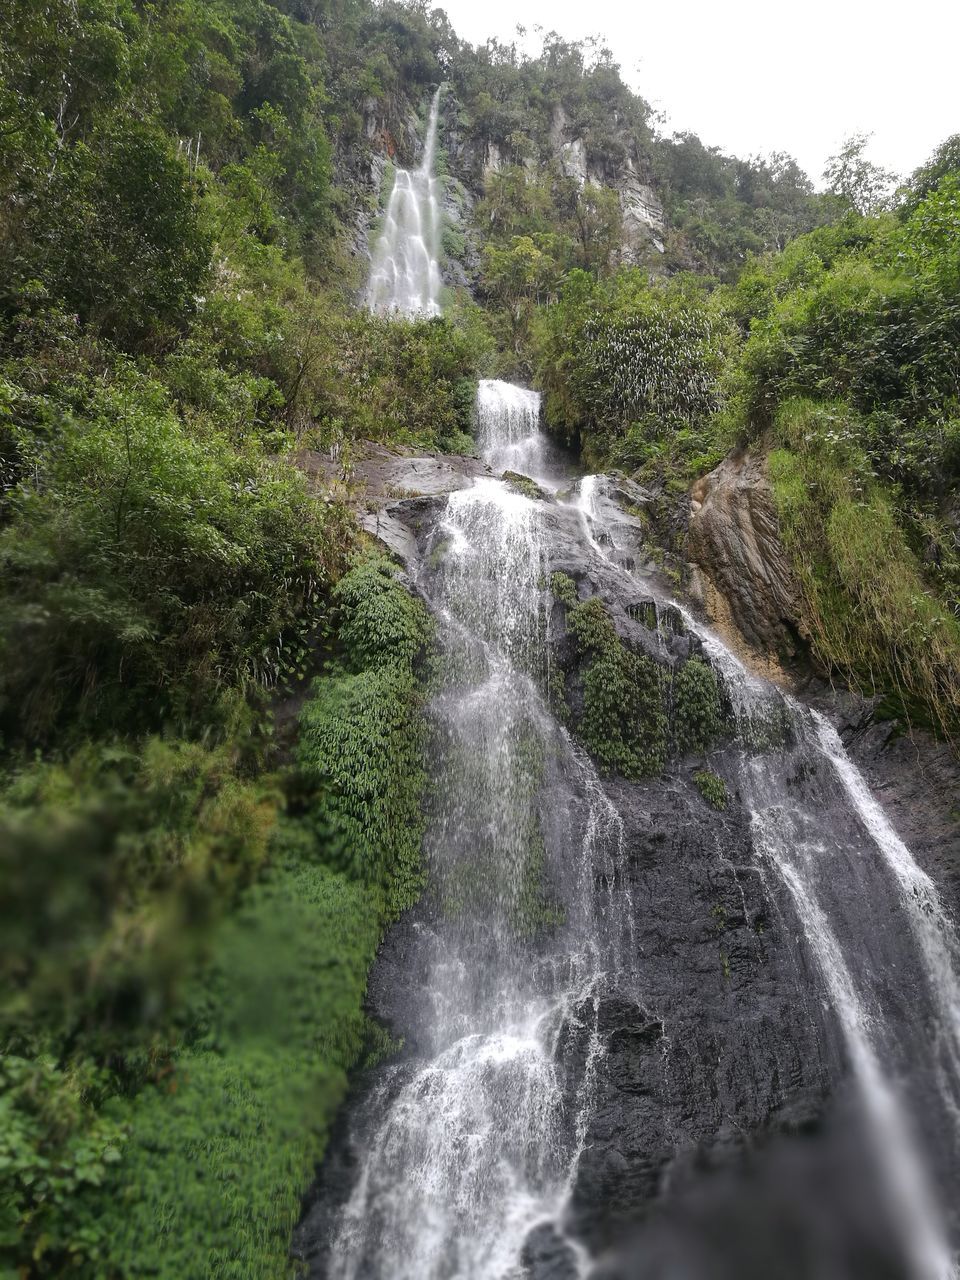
<point x="474" y="1137"/>
<point x="404" y="273"/>
<point x="840" y="859"/>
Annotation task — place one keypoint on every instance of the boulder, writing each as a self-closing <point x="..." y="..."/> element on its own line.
<point x="743" y="577"/>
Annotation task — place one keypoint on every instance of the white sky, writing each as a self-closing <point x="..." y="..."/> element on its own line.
<point x="753" y="77"/>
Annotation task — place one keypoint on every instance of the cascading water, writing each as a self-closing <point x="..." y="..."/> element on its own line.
<point x="898" y="1008"/>
<point x="508" y="427"/>
<point x="526" y="957"/>
<point x="480" y="1134"/>
<point x="404" y="274"/>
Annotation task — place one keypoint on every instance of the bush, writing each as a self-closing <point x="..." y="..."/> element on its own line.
<point x="858" y="327"/>
<point x="115" y="861"/>
<point x="623" y="725"/>
<point x="635" y="372"/>
<point x="362" y="739"/>
<point x="145" y="569"/>
<point x="697" y="710"/>
<point x="116" y="234"/>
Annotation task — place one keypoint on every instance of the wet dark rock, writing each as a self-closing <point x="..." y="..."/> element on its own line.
<point x="548" y="1256"/>
<point x="726" y="1047"/>
<point x="393" y="490"/>
<point x="377" y="473"/>
<point x="720" y="1115"/>
<point x="915" y="777"/>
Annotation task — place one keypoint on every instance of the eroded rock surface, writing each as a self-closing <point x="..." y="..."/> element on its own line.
<point x="735" y="544"/>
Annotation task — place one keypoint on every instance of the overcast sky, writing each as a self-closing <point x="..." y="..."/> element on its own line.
<point x="752" y="76"/>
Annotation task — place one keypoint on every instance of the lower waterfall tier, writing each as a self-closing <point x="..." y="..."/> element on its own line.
<point x="677" y="1001"/>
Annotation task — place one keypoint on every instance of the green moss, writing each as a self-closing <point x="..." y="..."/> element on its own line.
<point x="623" y="725"/>
<point x="712" y="788"/>
<point x="523" y="485"/>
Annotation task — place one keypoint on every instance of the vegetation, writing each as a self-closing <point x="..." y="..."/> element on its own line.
<point x="185" y="949"/>
<point x="622" y="724"/>
<point x="698" y="716"/>
<point x="869" y="607"/>
<point x="188" y="920"/>
<point x="634" y="372"/>
<point x="712" y="788"/>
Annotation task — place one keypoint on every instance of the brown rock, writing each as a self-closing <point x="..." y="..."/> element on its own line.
<point x="743" y="573"/>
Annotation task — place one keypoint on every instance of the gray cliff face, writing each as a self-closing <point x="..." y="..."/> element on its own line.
<point x="391" y="133"/>
<point x="641" y="209"/>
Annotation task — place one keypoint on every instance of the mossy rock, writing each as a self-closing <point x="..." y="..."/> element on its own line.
<point x="524" y="485"/>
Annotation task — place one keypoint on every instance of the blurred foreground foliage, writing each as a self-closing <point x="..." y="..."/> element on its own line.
<point x="185" y="935"/>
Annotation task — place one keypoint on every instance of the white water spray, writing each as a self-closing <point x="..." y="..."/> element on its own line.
<point x="478" y="1138"/>
<point x="508" y="427"/>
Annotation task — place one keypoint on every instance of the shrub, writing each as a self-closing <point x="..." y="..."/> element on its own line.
<point x="697" y="710"/>
<point x="623" y="724"/>
<point x="712" y="788"/>
<point x="362" y="739"/>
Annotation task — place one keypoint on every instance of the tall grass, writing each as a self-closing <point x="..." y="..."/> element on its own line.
<point x="869" y="609"/>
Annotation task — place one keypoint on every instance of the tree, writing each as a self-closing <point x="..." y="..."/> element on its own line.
<point x="863" y="185"/>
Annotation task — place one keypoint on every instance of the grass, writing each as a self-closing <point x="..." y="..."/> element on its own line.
<point x="869" y="609"/>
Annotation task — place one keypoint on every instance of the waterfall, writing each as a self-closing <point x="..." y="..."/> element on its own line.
<point x="508" y="427"/>
<point x="404" y="273"/>
<point x="478" y="1137"/>
<point x="841" y="861"/>
<point x="525" y="956"/>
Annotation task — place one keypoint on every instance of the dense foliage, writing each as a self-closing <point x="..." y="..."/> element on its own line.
<point x="634" y="372"/>
<point x="837" y="356"/>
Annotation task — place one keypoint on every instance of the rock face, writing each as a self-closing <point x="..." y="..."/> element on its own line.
<point x="378" y="477"/>
<point x="394" y="136"/>
<point x="744" y="574"/>
<point x="640" y="206"/>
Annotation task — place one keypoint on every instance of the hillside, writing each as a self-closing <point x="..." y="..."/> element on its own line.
<point x="213" y="681"/>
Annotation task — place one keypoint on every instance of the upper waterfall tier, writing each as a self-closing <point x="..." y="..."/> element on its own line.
<point x="404" y="274"/>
